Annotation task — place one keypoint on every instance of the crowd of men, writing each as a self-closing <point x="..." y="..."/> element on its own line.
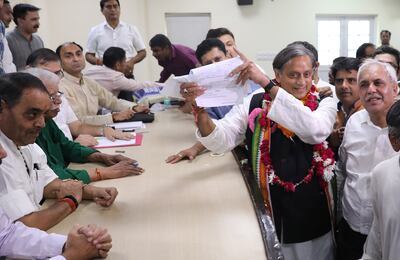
<point x="325" y="155"/>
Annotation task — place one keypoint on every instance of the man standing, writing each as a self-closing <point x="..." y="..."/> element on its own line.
<point x="86" y="96"/>
<point x="365" y="144"/>
<point x="174" y="58"/>
<point x="25" y="178"/>
<point x="385" y="37"/>
<point x="6" y="59"/>
<point x="344" y="73"/>
<point x="282" y="137"/>
<point x="22" y="40"/>
<point x="389" y="55"/>
<point x="383" y="239"/>
<point x="115" y="33"/>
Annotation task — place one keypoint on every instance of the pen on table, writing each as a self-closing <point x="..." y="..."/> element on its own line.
<point x="36" y="168"/>
<point x="128" y="130"/>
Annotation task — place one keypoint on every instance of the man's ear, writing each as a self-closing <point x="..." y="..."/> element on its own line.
<point x="278" y="76"/>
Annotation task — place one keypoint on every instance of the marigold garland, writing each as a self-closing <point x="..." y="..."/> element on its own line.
<point x="323" y="161"/>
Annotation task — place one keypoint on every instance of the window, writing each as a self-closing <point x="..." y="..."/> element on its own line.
<point x="342" y="35"/>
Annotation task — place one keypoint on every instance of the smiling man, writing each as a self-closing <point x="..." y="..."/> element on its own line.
<point x="23" y="40"/>
<point x="284" y="134"/>
<point x="365" y="144"/>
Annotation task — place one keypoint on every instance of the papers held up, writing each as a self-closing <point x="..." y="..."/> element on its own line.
<point x="220" y="89"/>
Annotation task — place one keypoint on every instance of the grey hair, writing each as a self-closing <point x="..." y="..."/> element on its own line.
<point x="45" y="76"/>
<point x="290" y="52"/>
<point x="390" y="72"/>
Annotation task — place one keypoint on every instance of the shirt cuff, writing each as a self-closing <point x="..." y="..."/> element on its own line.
<point x="16" y="204"/>
<point x="211" y="141"/>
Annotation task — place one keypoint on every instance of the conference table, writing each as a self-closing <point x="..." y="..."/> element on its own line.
<point x="198" y="209"/>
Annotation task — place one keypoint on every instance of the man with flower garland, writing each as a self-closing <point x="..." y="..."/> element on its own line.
<point x="285" y="129"/>
<point x="365" y="144"/>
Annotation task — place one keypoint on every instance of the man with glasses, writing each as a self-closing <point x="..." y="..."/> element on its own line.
<point x="60" y="151"/>
<point x="66" y="119"/>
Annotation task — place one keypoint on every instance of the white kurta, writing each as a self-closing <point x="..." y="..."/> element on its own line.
<point x="311" y="127"/>
<point x="383" y="239"/>
<point x="364" y="145"/>
<point x="20" y="192"/>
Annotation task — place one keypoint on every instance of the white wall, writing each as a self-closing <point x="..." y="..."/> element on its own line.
<point x="266" y="26"/>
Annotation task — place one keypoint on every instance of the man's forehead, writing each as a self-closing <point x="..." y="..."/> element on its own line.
<point x="33" y="97"/>
<point x="297" y="61"/>
<point x="70" y="48"/>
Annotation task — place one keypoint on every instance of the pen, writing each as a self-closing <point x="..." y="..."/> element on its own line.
<point x="128" y="130"/>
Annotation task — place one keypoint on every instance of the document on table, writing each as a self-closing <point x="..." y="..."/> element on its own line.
<point x="105" y="143"/>
<point x="221" y="90"/>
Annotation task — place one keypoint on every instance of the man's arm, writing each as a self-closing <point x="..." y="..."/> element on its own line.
<point x="47" y="218"/>
<point x="20" y="241"/>
<point x="138" y="57"/>
<point x="91" y="58"/>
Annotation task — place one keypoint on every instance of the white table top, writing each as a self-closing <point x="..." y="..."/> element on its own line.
<point x="190" y="210"/>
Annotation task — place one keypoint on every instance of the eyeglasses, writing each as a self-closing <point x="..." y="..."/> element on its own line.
<point x="56" y="96"/>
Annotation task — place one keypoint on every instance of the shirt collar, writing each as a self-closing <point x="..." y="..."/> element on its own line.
<point x="107" y="26"/>
<point x="73" y="79"/>
<point x="365" y="119"/>
<point x="9" y="143"/>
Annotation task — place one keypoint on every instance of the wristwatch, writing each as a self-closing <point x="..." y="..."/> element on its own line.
<point x="270" y="85"/>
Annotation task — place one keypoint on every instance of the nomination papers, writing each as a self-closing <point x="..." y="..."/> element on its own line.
<point x="221" y="90"/>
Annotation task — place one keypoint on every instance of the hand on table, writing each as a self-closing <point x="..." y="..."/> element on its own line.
<point x="86" y="140"/>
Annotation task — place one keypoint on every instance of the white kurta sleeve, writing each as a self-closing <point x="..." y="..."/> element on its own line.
<point x="229" y="131"/>
<point x="16" y="204"/>
<point x="311" y="127"/>
<point x="20" y="241"/>
<point x="373" y="245"/>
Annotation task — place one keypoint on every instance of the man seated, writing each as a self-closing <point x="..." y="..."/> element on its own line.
<point x="174" y="58"/>
<point x="61" y="152"/>
<point x="25" y="177"/>
<point x="283" y="128"/>
<point x="20" y="241"/>
<point x="111" y="74"/>
<point x="383" y="238"/>
<point x="86" y="96"/>
<point x="365" y="144"/>
<point x="344" y="73"/>
<point x="66" y="119"/>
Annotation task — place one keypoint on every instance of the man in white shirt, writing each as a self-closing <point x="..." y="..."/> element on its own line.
<point x="303" y="236"/>
<point x="365" y="144"/>
<point x="111" y="74"/>
<point x="383" y="239"/>
<point x="6" y="57"/>
<point x="25" y="178"/>
<point x="114" y="32"/>
<point x="20" y="241"/>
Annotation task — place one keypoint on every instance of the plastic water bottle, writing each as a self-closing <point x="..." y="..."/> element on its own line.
<point x="167" y="102"/>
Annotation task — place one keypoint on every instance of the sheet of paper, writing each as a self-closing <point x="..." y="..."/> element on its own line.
<point x="105" y="143"/>
<point x="127" y="125"/>
<point x="172" y="86"/>
<point x="221" y="90"/>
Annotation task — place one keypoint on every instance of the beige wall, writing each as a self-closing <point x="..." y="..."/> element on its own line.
<point x="266" y="26"/>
